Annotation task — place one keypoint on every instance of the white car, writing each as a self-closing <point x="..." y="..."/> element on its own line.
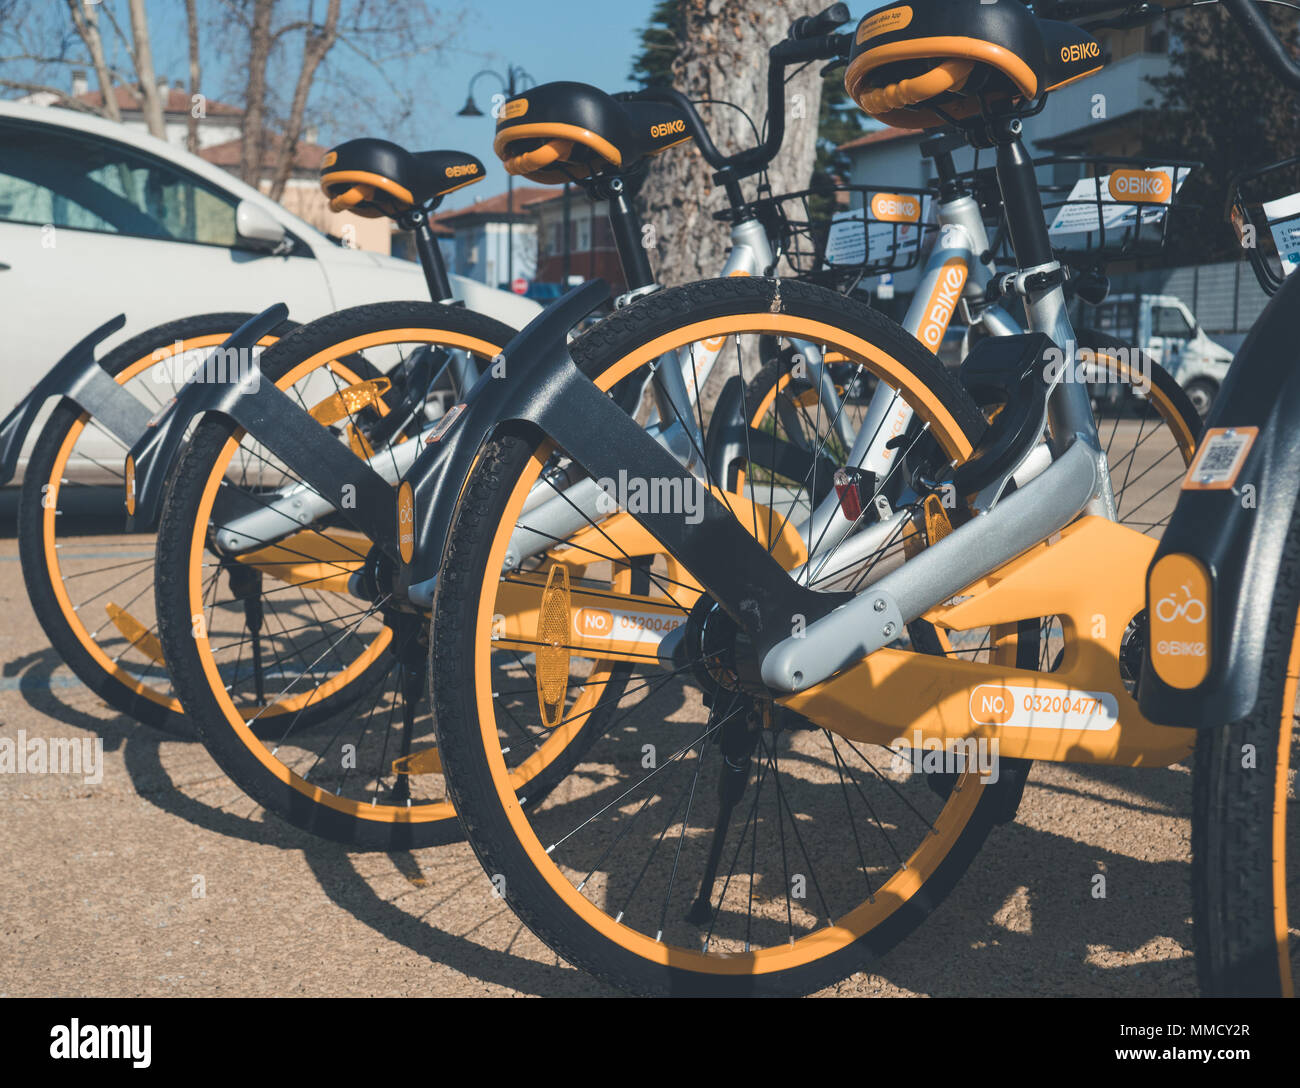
<point x="97" y="219"/>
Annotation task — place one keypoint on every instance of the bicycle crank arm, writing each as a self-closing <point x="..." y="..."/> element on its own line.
<point x="279" y="423"/>
<point x="79" y="377"/>
<point x="879" y="614"/>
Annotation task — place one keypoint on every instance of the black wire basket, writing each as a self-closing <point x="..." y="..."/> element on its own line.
<point x="838" y="235"/>
<point x="1098" y="207"/>
<point x="1264" y="210"/>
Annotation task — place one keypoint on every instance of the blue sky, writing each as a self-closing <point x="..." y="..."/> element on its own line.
<point x="591" y="41"/>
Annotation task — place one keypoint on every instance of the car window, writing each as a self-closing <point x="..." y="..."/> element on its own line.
<point x="1168" y="321"/>
<point x="67" y="180"/>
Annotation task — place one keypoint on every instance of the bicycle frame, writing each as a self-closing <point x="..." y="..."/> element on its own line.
<point x="838" y="657"/>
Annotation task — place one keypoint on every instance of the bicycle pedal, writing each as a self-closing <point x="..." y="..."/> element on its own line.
<point x="425" y="762"/>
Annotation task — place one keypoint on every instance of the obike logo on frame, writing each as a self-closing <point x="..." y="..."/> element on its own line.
<point x="938" y="312"/>
<point x="406" y="521"/>
<point x="462" y="171"/>
<point x="1179" y="596"/>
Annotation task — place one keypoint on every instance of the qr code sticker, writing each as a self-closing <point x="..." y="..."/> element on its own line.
<point x="1220" y="458"/>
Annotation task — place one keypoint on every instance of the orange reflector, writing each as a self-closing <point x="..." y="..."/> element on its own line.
<point x="130" y="485"/>
<point x="406" y="521"/>
<point x="1178" y="599"/>
<point x="553" y="642"/>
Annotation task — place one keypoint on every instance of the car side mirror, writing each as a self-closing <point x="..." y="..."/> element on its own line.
<point x="258" y="229"/>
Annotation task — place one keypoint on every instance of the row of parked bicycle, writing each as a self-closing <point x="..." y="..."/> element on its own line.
<point x="661" y="655"/>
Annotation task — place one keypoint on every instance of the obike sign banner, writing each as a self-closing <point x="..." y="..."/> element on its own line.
<point x="1123" y="196"/>
<point x="889" y="226"/>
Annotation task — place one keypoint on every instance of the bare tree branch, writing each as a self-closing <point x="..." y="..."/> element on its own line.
<point x="319" y="42"/>
<point x="142" y="53"/>
<point x="85" y="20"/>
<point x="191" y="121"/>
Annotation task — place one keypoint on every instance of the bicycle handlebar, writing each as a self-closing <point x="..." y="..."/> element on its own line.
<point x="821" y="24"/>
<point x="803" y="46"/>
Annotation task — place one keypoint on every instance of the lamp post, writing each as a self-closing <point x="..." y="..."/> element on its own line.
<point x="512" y="82"/>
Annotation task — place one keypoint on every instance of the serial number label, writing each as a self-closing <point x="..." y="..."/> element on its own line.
<point x="1043" y="708"/>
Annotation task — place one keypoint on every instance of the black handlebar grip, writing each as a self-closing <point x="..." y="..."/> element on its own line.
<point x="815" y="26"/>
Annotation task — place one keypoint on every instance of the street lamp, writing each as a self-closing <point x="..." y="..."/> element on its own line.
<point x="512" y="82"/>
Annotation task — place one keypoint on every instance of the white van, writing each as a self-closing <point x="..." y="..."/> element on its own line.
<point x="1163" y="327"/>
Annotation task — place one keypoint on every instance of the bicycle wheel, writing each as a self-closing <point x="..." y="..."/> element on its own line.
<point x="1246" y="819"/>
<point x="94" y="597"/>
<point x="835" y="853"/>
<point x="331" y="730"/>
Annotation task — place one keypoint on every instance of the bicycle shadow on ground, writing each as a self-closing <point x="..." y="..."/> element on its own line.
<point x="340" y="877"/>
<point x="155" y="778"/>
<point x="1024" y="920"/>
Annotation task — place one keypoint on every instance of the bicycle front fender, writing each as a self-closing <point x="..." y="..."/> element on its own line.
<point x="500" y="394"/>
<point x="1223" y="546"/>
<point x="554" y="397"/>
<point x="278" y="422"/>
<point x="79" y="377"/>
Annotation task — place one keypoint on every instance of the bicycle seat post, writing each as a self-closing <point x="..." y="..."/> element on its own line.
<point x="426" y="246"/>
<point x="625" y="224"/>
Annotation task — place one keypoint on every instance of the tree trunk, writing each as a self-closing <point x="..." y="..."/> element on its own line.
<point x="142" y="54"/>
<point x="85" y="19"/>
<point x="320" y="40"/>
<point x="723" y="57"/>
<point x="259" y="50"/>
<point x="191" y="120"/>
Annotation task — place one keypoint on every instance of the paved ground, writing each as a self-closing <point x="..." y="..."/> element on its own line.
<point x="98" y="883"/>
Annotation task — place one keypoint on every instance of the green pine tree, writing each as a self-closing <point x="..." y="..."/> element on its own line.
<point x="1219" y="104"/>
<point x="653" y="65"/>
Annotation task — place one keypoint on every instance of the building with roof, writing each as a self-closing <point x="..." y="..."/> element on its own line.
<point x="483" y="232"/>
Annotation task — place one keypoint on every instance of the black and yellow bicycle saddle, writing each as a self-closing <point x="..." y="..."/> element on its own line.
<point x="376" y="178"/>
<point x="560" y="132"/>
<point x="914" y="63"/>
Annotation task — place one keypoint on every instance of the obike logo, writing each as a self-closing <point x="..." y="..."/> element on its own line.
<point x="895" y="208"/>
<point x="668" y="128"/>
<point x="1141" y="186"/>
<point x="406" y="522"/>
<point x="884" y="22"/>
<point x="1072" y="54"/>
<point x="464" y="170"/>
<point x="516" y="107"/>
<point x="938" y="312"/>
<point x="1179" y="597"/>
